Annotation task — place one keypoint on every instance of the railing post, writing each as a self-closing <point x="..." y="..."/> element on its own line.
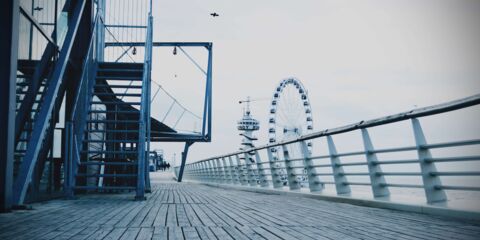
<point x="293" y="183"/>
<point x="251" y="178"/>
<point x="261" y="171"/>
<point x="338" y="173"/>
<point x="276" y="179"/>
<point x="221" y="173"/>
<point x="314" y="182"/>
<point x="242" y="176"/>
<point x="377" y="180"/>
<point x="213" y="173"/>
<point x="206" y="173"/>
<point x="233" y="171"/>
<point x="226" y="172"/>
<point x="431" y="183"/>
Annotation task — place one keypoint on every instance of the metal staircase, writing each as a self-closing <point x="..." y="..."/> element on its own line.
<point x="110" y="154"/>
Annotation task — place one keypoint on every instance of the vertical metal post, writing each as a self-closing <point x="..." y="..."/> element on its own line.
<point x="242" y="176"/>
<point x="293" y="183"/>
<point x="338" y="173"/>
<point x="261" y="172"/>
<point x="140" y="193"/>
<point x="226" y="170"/>
<point x="208" y="173"/>
<point x="431" y="183"/>
<point x="220" y="171"/>
<point x="233" y="171"/>
<point x="251" y="178"/>
<point x="100" y="41"/>
<point x="216" y="174"/>
<point x="68" y="162"/>
<point x="314" y="182"/>
<point x="213" y="177"/>
<point x="9" y="15"/>
<point x="276" y="178"/>
<point x="377" y="180"/>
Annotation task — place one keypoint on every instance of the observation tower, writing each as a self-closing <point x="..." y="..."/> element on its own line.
<point x="247" y="125"/>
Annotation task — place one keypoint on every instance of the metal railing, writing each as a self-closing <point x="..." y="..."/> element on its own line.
<point x="75" y="126"/>
<point x="307" y="171"/>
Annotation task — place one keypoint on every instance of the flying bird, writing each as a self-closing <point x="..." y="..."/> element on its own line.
<point x="214" y="14"/>
<point x="38" y="8"/>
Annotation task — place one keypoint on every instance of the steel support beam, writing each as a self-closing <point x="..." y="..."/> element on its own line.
<point x="9" y="15"/>
<point x="184" y="160"/>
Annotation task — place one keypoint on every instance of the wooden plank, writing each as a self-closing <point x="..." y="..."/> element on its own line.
<point x="145" y="233"/>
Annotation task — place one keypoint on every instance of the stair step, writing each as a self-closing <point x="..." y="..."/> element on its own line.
<point x="112" y="131"/>
<point x="121" y="78"/>
<point x="94" y="163"/>
<point x="105" y="111"/>
<point x="119" y="70"/>
<point x="113" y="121"/>
<point x="123" y="65"/>
<point x="119" y="103"/>
<point x="112" y="152"/>
<point x="117" y="86"/>
<point x="119" y="94"/>
<point x="110" y="141"/>
<point x="105" y="188"/>
<point x="106" y="175"/>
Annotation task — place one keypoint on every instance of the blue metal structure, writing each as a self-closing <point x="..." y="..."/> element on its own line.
<point x="77" y="119"/>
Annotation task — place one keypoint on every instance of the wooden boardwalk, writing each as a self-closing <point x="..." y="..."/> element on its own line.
<point x="189" y="211"/>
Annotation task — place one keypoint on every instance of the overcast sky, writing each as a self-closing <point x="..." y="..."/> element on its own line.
<point x="358" y="59"/>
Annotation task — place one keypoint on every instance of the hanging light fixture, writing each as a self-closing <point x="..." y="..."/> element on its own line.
<point x="175" y="50"/>
<point x="134" y="51"/>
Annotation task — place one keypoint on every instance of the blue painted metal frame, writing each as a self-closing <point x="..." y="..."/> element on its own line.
<point x="144" y="121"/>
<point x="9" y="20"/>
<point x="42" y="122"/>
<point x="76" y="123"/>
<point x="207" y="108"/>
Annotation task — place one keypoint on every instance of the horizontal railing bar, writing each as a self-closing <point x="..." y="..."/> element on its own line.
<point x="399" y="149"/>
<point x="354" y="174"/>
<point x="352" y="164"/>
<point x="356" y="183"/>
<point x="453" y="159"/>
<point x="348" y="154"/>
<point x="397" y="161"/>
<point x="401" y="185"/>
<point x="321" y="165"/>
<point x="452" y="144"/>
<point x="464" y="188"/>
<point x="455" y="173"/>
<point x="400" y="174"/>
<point x="328" y="182"/>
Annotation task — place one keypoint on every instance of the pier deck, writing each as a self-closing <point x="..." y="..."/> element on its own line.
<point x="190" y="211"/>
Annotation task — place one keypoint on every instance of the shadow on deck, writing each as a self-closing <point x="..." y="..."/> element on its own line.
<point x="190" y="211"/>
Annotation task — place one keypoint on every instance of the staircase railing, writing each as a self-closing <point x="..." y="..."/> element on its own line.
<point x="74" y="129"/>
<point x="42" y="122"/>
<point x="144" y="121"/>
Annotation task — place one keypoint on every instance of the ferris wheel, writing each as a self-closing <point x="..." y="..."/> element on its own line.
<point x="290" y="116"/>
